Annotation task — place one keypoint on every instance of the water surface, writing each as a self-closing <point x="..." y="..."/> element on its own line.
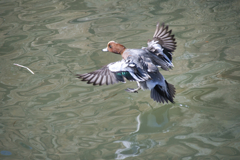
<point x="53" y="115"/>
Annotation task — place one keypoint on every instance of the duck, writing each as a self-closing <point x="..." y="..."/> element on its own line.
<point x="140" y="65"/>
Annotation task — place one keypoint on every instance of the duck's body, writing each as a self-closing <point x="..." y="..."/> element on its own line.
<point x="140" y="65"/>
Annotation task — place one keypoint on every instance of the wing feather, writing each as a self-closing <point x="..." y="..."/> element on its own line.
<point x="114" y="73"/>
<point x="163" y="35"/>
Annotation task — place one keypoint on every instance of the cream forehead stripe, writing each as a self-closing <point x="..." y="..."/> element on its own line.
<point x="112" y="41"/>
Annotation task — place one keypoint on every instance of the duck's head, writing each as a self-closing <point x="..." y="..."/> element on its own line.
<point x="114" y="47"/>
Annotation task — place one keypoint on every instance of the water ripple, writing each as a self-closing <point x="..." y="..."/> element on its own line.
<point x="53" y="115"/>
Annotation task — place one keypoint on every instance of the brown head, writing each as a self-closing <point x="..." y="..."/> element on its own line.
<point x="115" y="47"/>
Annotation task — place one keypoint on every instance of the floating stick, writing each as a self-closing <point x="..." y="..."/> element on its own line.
<point x="23" y="67"/>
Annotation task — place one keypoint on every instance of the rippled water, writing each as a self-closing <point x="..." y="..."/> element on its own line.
<point x="53" y="115"/>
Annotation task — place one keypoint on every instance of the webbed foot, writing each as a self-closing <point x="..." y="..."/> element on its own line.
<point x="131" y="90"/>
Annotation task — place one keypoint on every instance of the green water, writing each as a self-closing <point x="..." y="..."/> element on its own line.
<point x="51" y="115"/>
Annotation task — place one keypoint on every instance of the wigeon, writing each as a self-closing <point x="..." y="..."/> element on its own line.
<point x="140" y="65"/>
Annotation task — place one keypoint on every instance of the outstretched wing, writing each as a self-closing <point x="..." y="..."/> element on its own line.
<point x="164" y="37"/>
<point x="99" y="77"/>
<point x="114" y="73"/>
<point x="162" y="45"/>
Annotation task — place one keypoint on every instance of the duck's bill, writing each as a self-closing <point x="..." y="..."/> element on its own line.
<point x="105" y="49"/>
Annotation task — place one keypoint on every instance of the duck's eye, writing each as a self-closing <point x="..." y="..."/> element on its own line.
<point x="109" y="46"/>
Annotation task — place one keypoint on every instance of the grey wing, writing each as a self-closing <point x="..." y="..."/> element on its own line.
<point x="161" y="46"/>
<point x="130" y="68"/>
<point x="164" y="37"/>
<point x="99" y="77"/>
<point x="114" y="73"/>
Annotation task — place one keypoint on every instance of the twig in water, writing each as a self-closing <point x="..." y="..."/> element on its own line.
<point x="23" y="67"/>
<point x="14" y="122"/>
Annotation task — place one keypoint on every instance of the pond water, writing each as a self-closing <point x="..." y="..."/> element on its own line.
<point x="52" y="115"/>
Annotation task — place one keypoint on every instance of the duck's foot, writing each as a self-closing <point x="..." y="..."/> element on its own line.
<point x="131" y="90"/>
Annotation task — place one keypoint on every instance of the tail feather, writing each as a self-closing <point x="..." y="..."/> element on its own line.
<point x="171" y="89"/>
<point x="161" y="95"/>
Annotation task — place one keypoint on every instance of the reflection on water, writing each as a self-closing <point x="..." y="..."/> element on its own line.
<point x="153" y="121"/>
<point x="148" y="122"/>
<point x="52" y="115"/>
